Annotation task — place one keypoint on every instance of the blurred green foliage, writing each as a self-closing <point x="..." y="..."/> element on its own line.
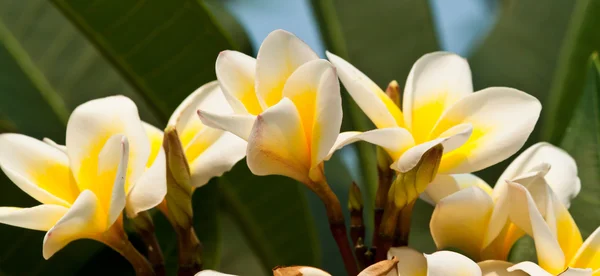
<point x="55" y="55"/>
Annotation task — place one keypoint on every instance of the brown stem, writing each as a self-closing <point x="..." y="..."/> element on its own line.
<point x="190" y="252"/>
<point x="386" y="231"/>
<point x="357" y="227"/>
<point x="403" y="228"/>
<point x="336" y="223"/>
<point x="190" y="247"/>
<point x="360" y="251"/>
<point x="116" y="238"/>
<point x="385" y="177"/>
<point x="144" y="226"/>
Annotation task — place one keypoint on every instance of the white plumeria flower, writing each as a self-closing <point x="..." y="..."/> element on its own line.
<point x="471" y="216"/>
<point x="210" y="152"/>
<point x="108" y="164"/>
<point x="492" y="124"/>
<point x="287" y="104"/>
<point x="444" y="263"/>
<point x="558" y="242"/>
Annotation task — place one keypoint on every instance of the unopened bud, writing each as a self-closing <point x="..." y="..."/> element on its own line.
<point x="179" y="189"/>
<point x="409" y="184"/>
<point x="393" y="92"/>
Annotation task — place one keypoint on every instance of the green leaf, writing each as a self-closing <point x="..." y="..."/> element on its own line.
<point x="582" y="141"/>
<point x="382" y="39"/>
<point x="582" y="39"/>
<point x="521" y="52"/>
<point x="163" y="48"/>
<point x="272" y="213"/>
<point x="49" y="67"/>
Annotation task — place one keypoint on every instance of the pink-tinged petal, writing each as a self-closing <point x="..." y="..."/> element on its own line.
<point x="277" y="144"/>
<point x="315" y="90"/>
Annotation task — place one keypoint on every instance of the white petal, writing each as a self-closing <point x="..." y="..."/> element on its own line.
<point x="82" y="220"/>
<point x="498" y="268"/>
<point x="115" y="153"/>
<point x="208" y="97"/>
<point x="278" y="57"/>
<point x="577" y="272"/>
<point x="91" y="125"/>
<point x="394" y="140"/>
<point x="411" y="262"/>
<point x="40" y="170"/>
<point x="55" y="145"/>
<point x="524" y="213"/>
<point x="460" y="220"/>
<point x="435" y="82"/>
<point x="277" y="144"/>
<point x="370" y="98"/>
<point x="217" y="159"/>
<point x="236" y="74"/>
<point x="445" y="185"/>
<point x="449" y="141"/>
<point x="502" y="119"/>
<point x="311" y="271"/>
<point x="238" y="124"/>
<point x="530" y="268"/>
<point x="41" y="217"/>
<point x="588" y="254"/>
<point x="150" y="189"/>
<point x="562" y="176"/>
<point x="315" y="90"/>
<point x="443" y="263"/>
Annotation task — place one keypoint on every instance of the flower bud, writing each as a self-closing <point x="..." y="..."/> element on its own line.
<point x="393" y="92"/>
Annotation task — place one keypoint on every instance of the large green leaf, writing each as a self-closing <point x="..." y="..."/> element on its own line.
<point x="582" y="39"/>
<point x="272" y="213"/>
<point x="382" y="38"/>
<point x="582" y="141"/>
<point x="521" y="52"/>
<point x="48" y="67"/>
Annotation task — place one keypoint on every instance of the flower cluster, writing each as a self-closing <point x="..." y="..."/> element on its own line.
<point x="283" y="112"/>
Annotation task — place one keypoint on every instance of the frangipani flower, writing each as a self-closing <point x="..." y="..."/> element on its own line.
<point x="439" y="102"/>
<point x="558" y="242"/>
<point x="108" y="164"/>
<point x="288" y="106"/>
<point x="472" y="217"/>
<point x="210" y="152"/>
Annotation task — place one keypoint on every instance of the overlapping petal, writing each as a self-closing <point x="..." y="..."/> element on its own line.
<point x="40" y="170"/>
<point x="502" y="119"/>
<point x="236" y="74"/>
<point x="435" y="82"/>
<point x="280" y="54"/>
<point x="315" y="91"/>
<point x="41" y="217"/>
<point x="277" y="144"/>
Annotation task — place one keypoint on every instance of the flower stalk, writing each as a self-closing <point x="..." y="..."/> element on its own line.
<point x="177" y="205"/>
<point x="116" y="238"/>
<point x="337" y="224"/>
<point x="355" y="206"/>
<point x="144" y="226"/>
